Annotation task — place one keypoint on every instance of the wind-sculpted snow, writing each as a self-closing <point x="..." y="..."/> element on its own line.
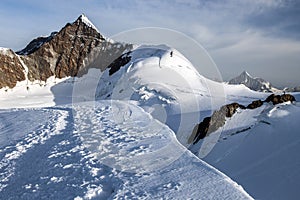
<point x="101" y="150"/>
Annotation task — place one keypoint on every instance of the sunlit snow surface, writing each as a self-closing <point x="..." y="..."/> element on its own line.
<point x="116" y="150"/>
<point x="108" y="149"/>
<point x="259" y="149"/>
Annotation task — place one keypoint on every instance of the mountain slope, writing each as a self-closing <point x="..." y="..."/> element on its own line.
<point x="115" y="149"/>
<point x="108" y="149"/>
<point x="258" y="149"/>
<point x="256" y="84"/>
<point x="65" y="53"/>
<point x="11" y="68"/>
<point x="35" y="44"/>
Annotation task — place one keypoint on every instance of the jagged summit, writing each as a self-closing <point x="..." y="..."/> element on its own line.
<point x="245" y="73"/>
<point x="62" y="54"/>
<point x="256" y="84"/>
<point x="84" y="19"/>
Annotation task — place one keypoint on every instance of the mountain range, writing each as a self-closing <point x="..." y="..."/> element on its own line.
<point x="60" y="55"/>
<point x="86" y="117"/>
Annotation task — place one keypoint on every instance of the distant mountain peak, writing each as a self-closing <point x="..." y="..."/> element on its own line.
<point x="256" y="84"/>
<point x="245" y="73"/>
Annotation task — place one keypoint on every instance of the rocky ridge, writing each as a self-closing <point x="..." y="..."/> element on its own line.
<point x="11" y="68"/>
<point x="218" y="118"/>
<point x="68" y="53"/>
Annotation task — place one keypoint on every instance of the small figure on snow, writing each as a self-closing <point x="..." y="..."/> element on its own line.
<point x="171" y="53"/>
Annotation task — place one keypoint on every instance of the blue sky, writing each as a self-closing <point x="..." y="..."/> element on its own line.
<point x="260" y="36"/>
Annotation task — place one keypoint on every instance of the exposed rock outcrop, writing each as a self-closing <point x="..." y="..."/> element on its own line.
<point x="218" y="118"/>
<point x="276" y="99"/>
<point x="255" y="104"/>
<point x="119" y="62"/>
<point x="11" y="69"/>
<point x="213" y="123"/>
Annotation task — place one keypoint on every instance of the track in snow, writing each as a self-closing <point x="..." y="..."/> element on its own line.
<point x="102" y="150"/>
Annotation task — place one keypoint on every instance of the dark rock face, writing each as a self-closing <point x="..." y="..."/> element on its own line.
<point x="288" y="97"/>
<point x="255" y="104"/>
<point x="213" y="123"/>
<point x="200" y="131"/>
<point x="276" y="99"/>
<point x="230" y="109"/>
<point x="119" y="62"/>
<point x="11" y="69"/>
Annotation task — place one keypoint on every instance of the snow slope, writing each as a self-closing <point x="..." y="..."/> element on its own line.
<point x="151" y="77"/>
<point x="106" y="149"/>
<point x="172" y="91"/>
<point x="170" y="88"/>
<point x="28" y="94"/>
<point x="259" y="149"/>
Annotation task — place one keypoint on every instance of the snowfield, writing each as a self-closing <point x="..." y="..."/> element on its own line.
<point x="125" y="136"/>
<point x="263" y="157"/>
<point x="106" y="149"/>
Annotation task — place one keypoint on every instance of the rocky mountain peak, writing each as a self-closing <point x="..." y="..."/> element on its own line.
<point x="81" y="27"/>
<point x="65" y="53"/>
<point x="84" y="19"/>
<point x="245" y="74"/>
